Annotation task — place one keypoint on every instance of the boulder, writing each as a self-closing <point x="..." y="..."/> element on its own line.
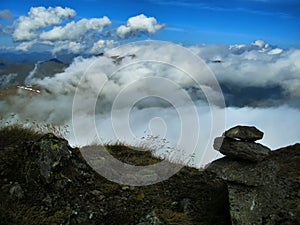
<point x="243" y="172"/>
<point x="17" y="191"/>
<point x="150" y="219"/>
<point x="244" y="133"/>
<point x="50" y="152"/>
<point x="241" y="150"/>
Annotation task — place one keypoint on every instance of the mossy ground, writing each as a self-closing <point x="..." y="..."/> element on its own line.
<point x="16" y="135"/>
<point x="131" y="155"/>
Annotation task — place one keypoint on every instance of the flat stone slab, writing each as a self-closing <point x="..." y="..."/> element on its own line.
<point x="244" y="133"/>
<point x="241" y="150"/>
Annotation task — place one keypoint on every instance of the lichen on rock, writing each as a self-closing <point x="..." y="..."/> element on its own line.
<point x="50" y="152"/>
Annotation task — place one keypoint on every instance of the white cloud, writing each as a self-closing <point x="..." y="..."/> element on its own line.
<point x="26" y="27"/>
<point x="50" y="26"/>
<point x="76" y="30"/>
<point x="256" y="65"/>
<point x="277" y="123"/>
<point x="244" y="68"/>
<point x="26" y="46"/>
<point x="69" y="46"/>
<point x="139" y="25"/>
<point x="275" y="51"/>
<point x="100" y="45"/>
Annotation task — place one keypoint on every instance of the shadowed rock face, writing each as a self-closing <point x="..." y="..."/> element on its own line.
<point x="244" y="133"/>
<point x="263" y="185"/>
<point x="266" y="192"/>
<point x="241" y="150"/>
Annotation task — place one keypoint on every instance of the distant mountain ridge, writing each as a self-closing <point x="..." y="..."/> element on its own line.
<point x="14" y="73"/>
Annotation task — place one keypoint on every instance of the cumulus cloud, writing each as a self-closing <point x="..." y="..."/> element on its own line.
<point x="102" y="44"/>
<point x="26" y="27"/>
<point x="42" y="26"/>
<point x="50" y="26"/>
<point x="6" y="15"/>
<point x="69" y="46"/>
<point x="76" y="30"/>
<point x="137" y="25"/>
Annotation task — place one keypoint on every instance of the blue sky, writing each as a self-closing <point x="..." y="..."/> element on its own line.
<point x="190" y="22"/>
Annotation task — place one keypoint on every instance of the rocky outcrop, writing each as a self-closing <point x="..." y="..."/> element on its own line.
<point x="238" y="143"/>
<point x="49" y="152"/>
<point x="241" y="150"/>
<point x="263" y="186"/>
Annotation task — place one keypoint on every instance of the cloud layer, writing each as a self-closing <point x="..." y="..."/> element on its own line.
<point x="121" y="76"/>
<point x="255" y="65"/>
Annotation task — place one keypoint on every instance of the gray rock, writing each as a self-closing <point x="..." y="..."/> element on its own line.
<point x="47" y="201"/>
<point x="186" y="205"/>
<point x="51" y="152"/>
<point x="243" y="172"/>
<point x="16" y="191"/>
<point x="98" y="194"/>
<point x="150" y="219"/>
<point x="241" y="150"/>
<point x="244" y="133"/>
<point x="262" y="193"/>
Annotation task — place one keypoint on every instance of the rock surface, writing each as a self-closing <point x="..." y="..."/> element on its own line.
<point x="240" y="149"/>
<point x="50" y="152"/>
<point x="263" y="192"/>
<point x="244" y="133"/>
<point x="266" y="192"/>
<point x="16" y="191"/>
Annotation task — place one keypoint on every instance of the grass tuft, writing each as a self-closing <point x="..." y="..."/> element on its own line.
<point x="17" y="134"/>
